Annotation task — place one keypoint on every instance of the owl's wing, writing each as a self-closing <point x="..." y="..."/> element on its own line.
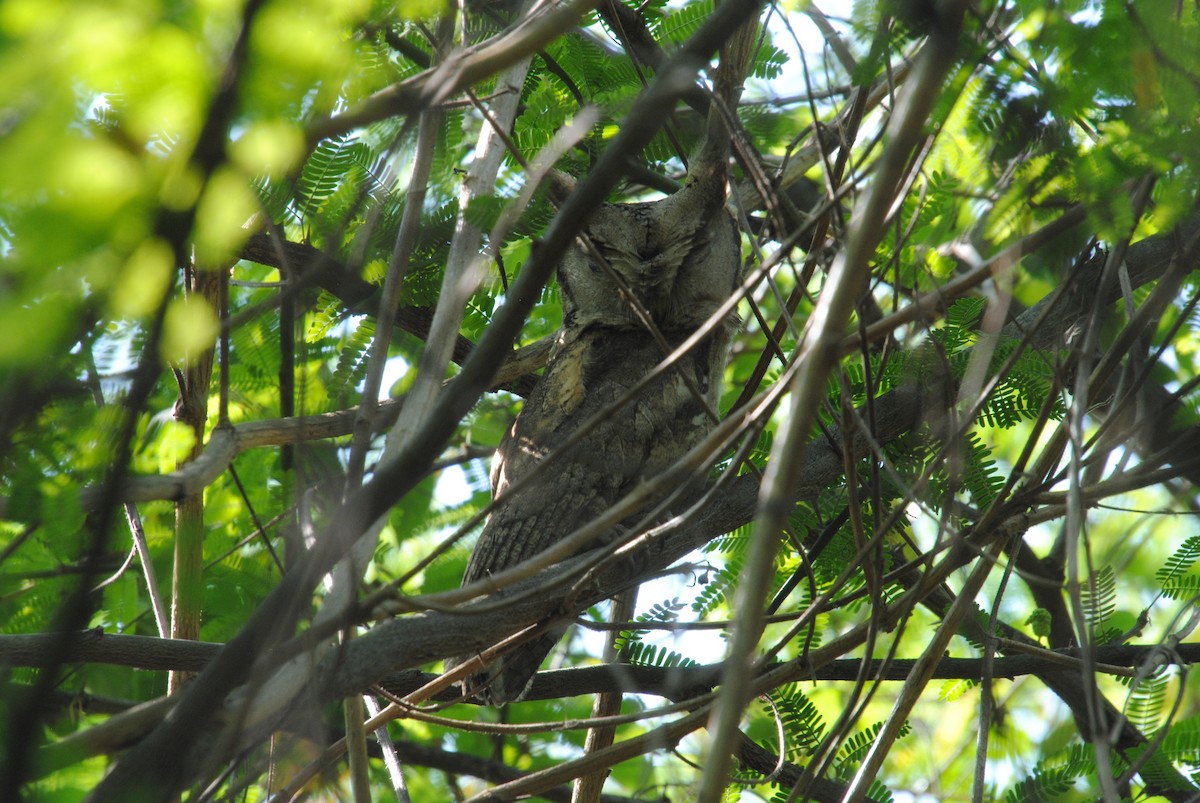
<point x="637" y="440"/>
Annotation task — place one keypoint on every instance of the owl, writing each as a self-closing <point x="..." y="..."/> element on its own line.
<point x="681" y="258"/>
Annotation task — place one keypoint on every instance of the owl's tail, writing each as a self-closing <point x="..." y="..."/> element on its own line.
<point x="508" y="678"/>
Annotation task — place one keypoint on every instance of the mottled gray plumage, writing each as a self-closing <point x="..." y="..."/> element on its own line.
<point x="681" y="257"/>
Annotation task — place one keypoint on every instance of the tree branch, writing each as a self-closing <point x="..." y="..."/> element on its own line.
<point x="456" y="73"/>
<point x="675" y="683"/>
<point x="359" y="296"/>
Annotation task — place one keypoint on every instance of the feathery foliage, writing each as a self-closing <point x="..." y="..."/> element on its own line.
<point x="962" y="404"/>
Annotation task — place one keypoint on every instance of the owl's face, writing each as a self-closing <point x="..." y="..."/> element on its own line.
<point x="680" y="257"/>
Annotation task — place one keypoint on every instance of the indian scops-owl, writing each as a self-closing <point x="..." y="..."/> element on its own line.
<point x="681" y="257"/>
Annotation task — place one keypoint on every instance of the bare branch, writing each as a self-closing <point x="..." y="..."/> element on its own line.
<point x="676" y="683"/>
<point x="458" y="72"/>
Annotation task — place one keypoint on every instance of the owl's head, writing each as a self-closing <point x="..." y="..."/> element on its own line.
<point x="680" y="258"/>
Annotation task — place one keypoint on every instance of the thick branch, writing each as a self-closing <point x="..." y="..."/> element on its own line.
<point x="676" y="683"/>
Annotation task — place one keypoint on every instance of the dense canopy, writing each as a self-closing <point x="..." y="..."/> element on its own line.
<point x="276" y="278"/>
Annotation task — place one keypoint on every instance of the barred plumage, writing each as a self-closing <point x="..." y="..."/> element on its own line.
<point x="681" y="259"/>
